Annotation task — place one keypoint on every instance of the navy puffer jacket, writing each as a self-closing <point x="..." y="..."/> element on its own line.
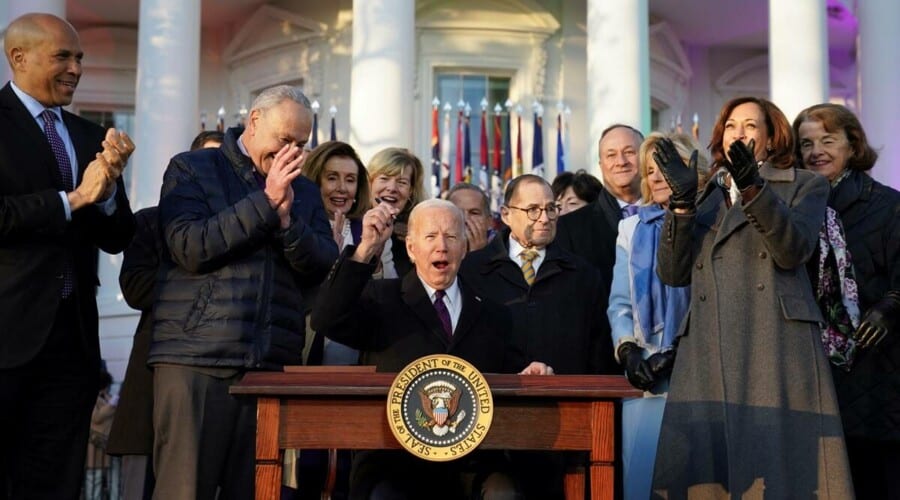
<point x="229" y="288"/>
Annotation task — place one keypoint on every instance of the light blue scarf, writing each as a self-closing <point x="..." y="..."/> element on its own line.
<point x="658" y="307"/>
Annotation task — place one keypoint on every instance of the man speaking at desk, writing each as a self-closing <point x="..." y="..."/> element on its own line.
<point x="395" y="321"/>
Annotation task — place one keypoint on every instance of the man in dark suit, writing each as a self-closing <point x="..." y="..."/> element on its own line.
<point x="558" y="302"/>
<point x="61" y="197"/>
<point x="590" y="232"/>
<point x="395" y="321"/>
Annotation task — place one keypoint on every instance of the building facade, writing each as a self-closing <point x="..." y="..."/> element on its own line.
<point x="162" y="69"/>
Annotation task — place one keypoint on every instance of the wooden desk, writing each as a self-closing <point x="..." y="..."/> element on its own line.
<point x="318" y="410"/>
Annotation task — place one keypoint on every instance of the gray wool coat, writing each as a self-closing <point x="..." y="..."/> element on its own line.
<point x="751" y="407"/>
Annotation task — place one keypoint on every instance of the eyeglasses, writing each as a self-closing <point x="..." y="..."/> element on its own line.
<point x="534" y="213"/>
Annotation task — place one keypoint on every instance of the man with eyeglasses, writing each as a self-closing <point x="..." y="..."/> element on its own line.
<point x="557" y="301"/>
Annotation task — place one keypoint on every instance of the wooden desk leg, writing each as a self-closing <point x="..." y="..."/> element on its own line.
<point x="603" y="450"/>
<point x="573" y="487"/>
<point x="268" y="455"/>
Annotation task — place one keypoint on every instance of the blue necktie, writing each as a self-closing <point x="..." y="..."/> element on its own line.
<point x="65" y="173"/>
<point x="629" y="210"/>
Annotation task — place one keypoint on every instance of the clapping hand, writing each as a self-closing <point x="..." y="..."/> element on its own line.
<point x="742" y="164"/>
<point x="682" y="179"/>
<point x="285" y="168"/>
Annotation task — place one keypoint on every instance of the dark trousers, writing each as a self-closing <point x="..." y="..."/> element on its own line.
<point x="45" y="415"/>
<point x="875" y="466"/>
<point x="204" y="438"/>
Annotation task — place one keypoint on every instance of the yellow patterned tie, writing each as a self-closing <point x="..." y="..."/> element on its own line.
<point x="528" y="257"/>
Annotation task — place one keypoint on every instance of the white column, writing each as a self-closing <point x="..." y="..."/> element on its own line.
<point x="879" y="72"/>
<point x="11" y="9"/>
<point x="618" y="67"/>
<point x="166" y="114"/>
<point x="798" y="55"/>
<point x="381" y="78"/>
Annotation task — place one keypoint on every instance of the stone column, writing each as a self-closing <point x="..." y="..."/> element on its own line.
<point x="381" y="79"/>
<point x="166" y="114"/>
<point x="879" y="72"/>
<point x="798" y="55"/>
<point x="618" y="67"/>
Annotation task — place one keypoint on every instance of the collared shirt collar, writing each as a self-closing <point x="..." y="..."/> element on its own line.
<point x="452" y="299"/>
<point x="34" y="107"/>
<point x="515" y="249"/>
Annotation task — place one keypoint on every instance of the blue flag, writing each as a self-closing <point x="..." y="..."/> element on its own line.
<point x="537" y="147"/>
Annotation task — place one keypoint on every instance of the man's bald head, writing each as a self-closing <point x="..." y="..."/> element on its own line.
<point x="44" y="53"/>
<point x="30" y="29"/>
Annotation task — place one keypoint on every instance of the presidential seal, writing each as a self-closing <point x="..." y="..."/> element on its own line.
<point x="440" y="407"/>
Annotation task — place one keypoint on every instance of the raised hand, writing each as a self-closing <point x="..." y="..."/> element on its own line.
<point x="742" y="164"/>
<point x="682" y="179"/>
<point x="377" y="225"/>
<point x="117" y="148"/>
<point x="337" y="231"/>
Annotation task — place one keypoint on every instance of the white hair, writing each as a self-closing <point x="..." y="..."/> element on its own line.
<point x="273" y="96"/>
<point x="438" y="203"/>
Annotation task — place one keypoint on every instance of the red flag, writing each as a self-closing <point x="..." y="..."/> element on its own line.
<point x="458" y="166"/>
<point x="498" y="144"/>
<point x="484" y="177"/>
<point x="517" y="168"/>
<point x="435" y="152"/>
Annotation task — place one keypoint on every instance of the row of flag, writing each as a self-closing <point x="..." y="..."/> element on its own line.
<point x="492" y="173"/>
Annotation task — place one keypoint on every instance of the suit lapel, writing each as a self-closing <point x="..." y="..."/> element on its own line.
<point x="610" y="208"/>
<point x="32" y="139"/>
<point x="84" y="150"/>
<point x="501" y="264"/>
<point x="414" y="296"/>
<point x="471" y="311"/>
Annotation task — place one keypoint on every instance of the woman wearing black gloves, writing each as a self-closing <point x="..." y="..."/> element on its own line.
<point x="831" y="142"/>
<point x="644" y="314"/>
<point x="751" y="407"/>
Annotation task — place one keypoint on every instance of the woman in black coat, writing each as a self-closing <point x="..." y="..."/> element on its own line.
<point x="831" y="142"/>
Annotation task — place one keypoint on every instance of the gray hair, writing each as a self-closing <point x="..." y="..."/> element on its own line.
<point x="273" y="96"/>
<point x="437" y="203"/>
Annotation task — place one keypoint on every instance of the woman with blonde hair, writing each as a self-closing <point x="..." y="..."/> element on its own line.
<point x="397" y="178"/>
<point x="644" y="314"/>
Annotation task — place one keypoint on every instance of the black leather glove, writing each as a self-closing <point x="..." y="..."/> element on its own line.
<point x="882" y="319"/>
<point x="682" y="179"/>
<point x="661" y="363"/>
<point x="742" y="165"/>
<point x="636" y="369"/>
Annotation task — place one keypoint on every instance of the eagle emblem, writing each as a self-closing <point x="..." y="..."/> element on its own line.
<point x="440" y="401"/>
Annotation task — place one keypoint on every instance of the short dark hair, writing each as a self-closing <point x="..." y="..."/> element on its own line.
<point x="584" y="185"/>
<point x="207" y="136"/>
<point x="513" y="187"/>
<point x="621" y="125"/>
<point x="463" y="186"/>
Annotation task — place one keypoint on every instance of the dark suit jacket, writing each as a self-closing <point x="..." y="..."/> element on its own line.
<point x="131" y="432"/>
<point x="590" y="232"/>
<point x="36" y="241"/>
<point x="393" y="322"/>
<point x="559" y="320"/>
